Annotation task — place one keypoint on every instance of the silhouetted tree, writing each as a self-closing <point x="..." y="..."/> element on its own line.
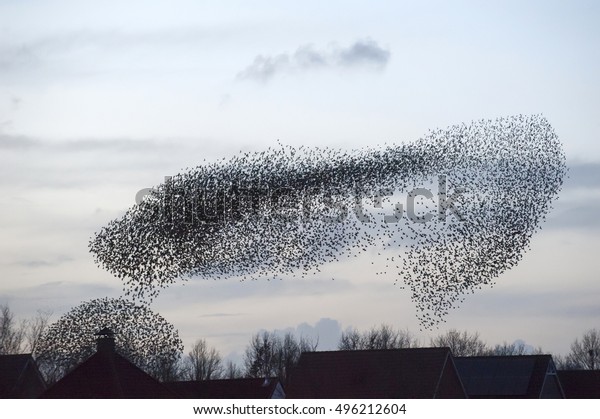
<point x="461" y="344"/>
<point x="563" y="362"/>
<point x="12" y="334"/>
<point x="36" y="328"/>
<point x="351" y="339"/>
<point x="585" y="353"/>
<point x="18" y="337"/>
<point x="168" y="369"/>
<point x="516" y="348"/>
<point x="260" y="354"/>
<point x="203" y="362"/>
<point x="270" y="355"/>
<point x="232" y="371"/>
<point x="384" y="337"/>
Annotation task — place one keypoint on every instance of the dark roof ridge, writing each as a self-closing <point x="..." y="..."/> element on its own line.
<point x="428" y="348"/>
<point x="226" y="379"/>
<point x="506" y="356"/>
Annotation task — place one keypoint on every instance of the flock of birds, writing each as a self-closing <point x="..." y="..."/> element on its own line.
<point x="141" y="335"/>
<point x="450" y="212"/>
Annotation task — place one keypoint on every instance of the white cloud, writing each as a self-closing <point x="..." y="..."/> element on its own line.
<point x="363" y="53"/>
<point x="325" y="332"/>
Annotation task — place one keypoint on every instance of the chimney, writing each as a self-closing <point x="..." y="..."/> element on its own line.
<point x="105" y="343"/>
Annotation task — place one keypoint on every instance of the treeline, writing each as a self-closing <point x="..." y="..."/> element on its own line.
<point x="267" y="355"/>
<point x="21" y="336"/>
<point x="270" y="354"/>
<point x="584" y="353"/>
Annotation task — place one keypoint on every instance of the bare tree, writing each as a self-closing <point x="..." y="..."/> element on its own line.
<point x="203" y="362"/>
<point x="260" y="355"/>
<point x="288" y="351"/>
<point x="169" y="369"/>
<point x="384" y="337"/>
<point x="462" y="344"/>
<point x="585" y="353"/>
<point x="12" y="335"/>
<point x="270" y="355"/>
<point x="36" y="328"/>
<point x="511" y="349"/>
<point x="350" y="340"/>
<point x="563" y="362"/>
<point x="232" y="371"/>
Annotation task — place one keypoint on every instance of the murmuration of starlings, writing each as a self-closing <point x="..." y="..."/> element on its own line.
<point x="450" y="212"/>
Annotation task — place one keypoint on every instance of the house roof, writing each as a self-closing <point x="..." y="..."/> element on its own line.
<point x="108" y="375"/>
<point x="239" y="388"/>
<point x="524" y="376"/>
<point x="20" y="377"/>
<point x="580" y="384"/>
<point x="392" y="373"/>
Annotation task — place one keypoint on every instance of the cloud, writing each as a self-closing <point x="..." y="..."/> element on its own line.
<point x="561" y="304"/>
<point x="579" y="217"/>
<point x="31" y="162"/>
<point x="584" y="175"/>
<point x="200" y="290"/>
<point x="65" y="54"/>
<point x="264" y="68"/>
<point x="20" y="142"/>
<point x="108" y="39"/>
<point x="326" y="332"/>
<point x="17" y="142"/>
<point x="307" y="57"/>
<point x="363" y="53"/>
<point x="107" y="144"/>
<point x="212" y="315"/>
<point x="17" y="58"/>
<point x="45" y="263"/>
<point x="55" y="295"/>
<point x="578" y="205"/>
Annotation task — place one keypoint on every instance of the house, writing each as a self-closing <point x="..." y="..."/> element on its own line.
<point x="580" y="384"/>
<point x="239" y="388"/>
<point x="107" y="375"/>
<point x="376" y="374"/>
<point x="515" y="377"/>
<point x="20" y="377"/>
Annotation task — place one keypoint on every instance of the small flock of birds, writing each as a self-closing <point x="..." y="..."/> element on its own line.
<point x="141" y="335"/>
<point x="288" y="211"/>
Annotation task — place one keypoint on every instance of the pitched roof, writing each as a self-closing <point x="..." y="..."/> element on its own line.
<point x="108" y="375"/>
<point x="20" y="377"/>
<point x="239" y="388"/>
<point x="524" y="376"/>
<point x="391" y="373"/>
<point x="580" y="384"/>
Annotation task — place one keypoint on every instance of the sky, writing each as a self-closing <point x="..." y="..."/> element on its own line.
<point x="99" y="100"/>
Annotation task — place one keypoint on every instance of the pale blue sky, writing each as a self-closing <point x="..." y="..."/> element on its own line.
<point x="101" y="99"/>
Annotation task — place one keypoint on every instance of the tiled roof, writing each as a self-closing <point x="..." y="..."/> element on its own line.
<point x="242" y="388"/>
<point x="19" y="377"/>
<point x="525" y="376"/>
<point x="580" y="384"/>
<point x="392" y="373"/>
<point x="108" y="376"/>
